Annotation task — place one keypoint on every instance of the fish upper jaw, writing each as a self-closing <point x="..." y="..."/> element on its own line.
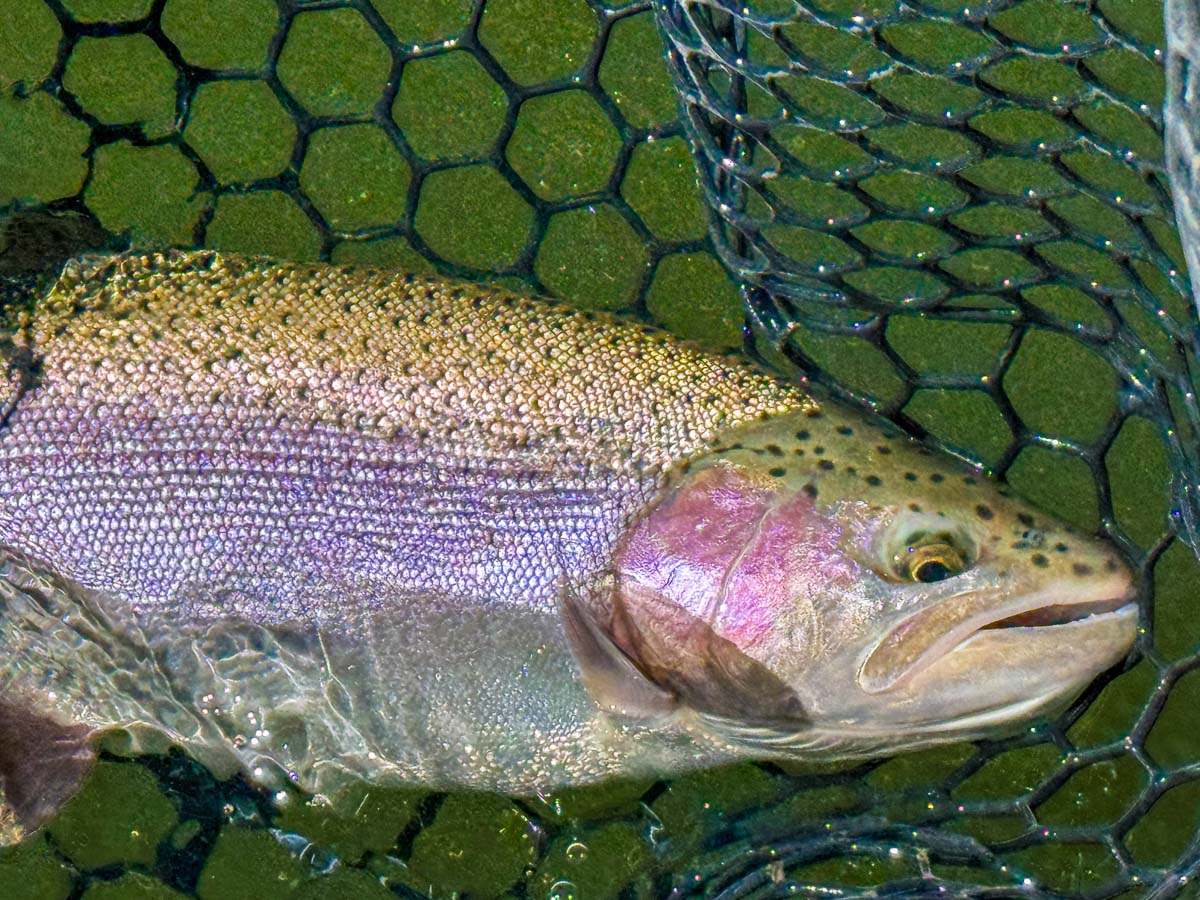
<point x="1070" y="609"/>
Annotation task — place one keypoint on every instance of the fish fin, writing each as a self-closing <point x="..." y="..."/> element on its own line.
<point x="42" y="762"/>
<point x="611" y="678"/>
<point x="18" y="368"/>
<point x="732" y="684"/>
<point x="707" y="673"/>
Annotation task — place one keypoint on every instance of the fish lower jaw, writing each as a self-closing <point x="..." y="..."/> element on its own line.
<point x="992" y="683"/>
<point x="856" y="740"/>
<point x="1040" y="615"/>
<point x="1087" y="643"/>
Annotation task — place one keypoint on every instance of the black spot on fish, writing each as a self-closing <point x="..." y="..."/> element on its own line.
<point x="778" y="472"/>
<point x="882" y="450"/>
<point x="843" y="429"/>
<point x="851" y="470"/>
<point x="799" y="451"/>
<point x="915" y="507"/>
<point x="1040" y="561"/>
<point x="1025" y="519"/>
<point x="818" y="450"/>
<point x="968" y="479"/>
<point x="937" y="478"/>
<point x="1061" y="548"/>
<point x="810" y="489"/>
<point x="1081" y="569"/>
<point x="774" y="449"/>
<point x="802" y="435"/>
<point x="984" y="512"/>
<point x="1110" y="565"/>
<point x="813" y="413"/>
<point x="910" y="476"/>
<point x="826" y="464"/>
<point x="874" y="480"/>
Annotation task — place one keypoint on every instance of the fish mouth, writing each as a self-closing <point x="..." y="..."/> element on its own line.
<point x="1060" y="614"/>
<point x="1069" y="608"/>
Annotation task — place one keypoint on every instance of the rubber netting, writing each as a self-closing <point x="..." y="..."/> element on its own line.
<point x="884" y="174"/>
<point x="956" y="213"/>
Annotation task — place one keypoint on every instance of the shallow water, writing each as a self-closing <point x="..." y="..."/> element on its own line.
<point x="1014" y="190"/>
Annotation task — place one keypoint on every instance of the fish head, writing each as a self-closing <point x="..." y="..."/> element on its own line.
<point x="817" y="581"/>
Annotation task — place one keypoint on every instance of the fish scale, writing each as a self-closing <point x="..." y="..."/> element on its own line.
<point x="469" y="428"/>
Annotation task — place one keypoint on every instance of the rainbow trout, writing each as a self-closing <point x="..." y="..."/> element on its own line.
<point x="326" y="524"/>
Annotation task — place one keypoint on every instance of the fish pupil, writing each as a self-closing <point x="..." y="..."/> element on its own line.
<point x="931" y="571"/>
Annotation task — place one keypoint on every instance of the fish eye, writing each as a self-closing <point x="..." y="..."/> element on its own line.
<point x="928" y="559"/>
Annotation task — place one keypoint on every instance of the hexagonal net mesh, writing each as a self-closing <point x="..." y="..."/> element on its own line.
<point x="956" y="214"/>
<point x="428" y="136"/>
<point x="949" y="212"/>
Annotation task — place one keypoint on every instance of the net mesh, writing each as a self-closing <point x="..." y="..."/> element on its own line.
<point x="954" y="213"/>
<point x="872" y="163"/>
<point x="349" y="195"/>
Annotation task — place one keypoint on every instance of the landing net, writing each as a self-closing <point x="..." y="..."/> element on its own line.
<point x="886" y="177"/>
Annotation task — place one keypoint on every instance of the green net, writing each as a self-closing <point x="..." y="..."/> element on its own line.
<point x="941" y="209"/>
<point x="428" y="136"/>
<point x="956" y="213"/>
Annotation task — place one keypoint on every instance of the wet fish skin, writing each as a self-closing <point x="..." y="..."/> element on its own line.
<point x="228" y="473"/>
<point x="328" y="524"/>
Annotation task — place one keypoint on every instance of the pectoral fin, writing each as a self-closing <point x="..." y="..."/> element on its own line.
<point x="42" y="762"/>
<point x="674" y="663"/>
<point x="705" y="672"/>
<point x="611" y="677"/>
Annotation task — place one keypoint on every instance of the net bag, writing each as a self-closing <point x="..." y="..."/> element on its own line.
<point x="958" y="214"/>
